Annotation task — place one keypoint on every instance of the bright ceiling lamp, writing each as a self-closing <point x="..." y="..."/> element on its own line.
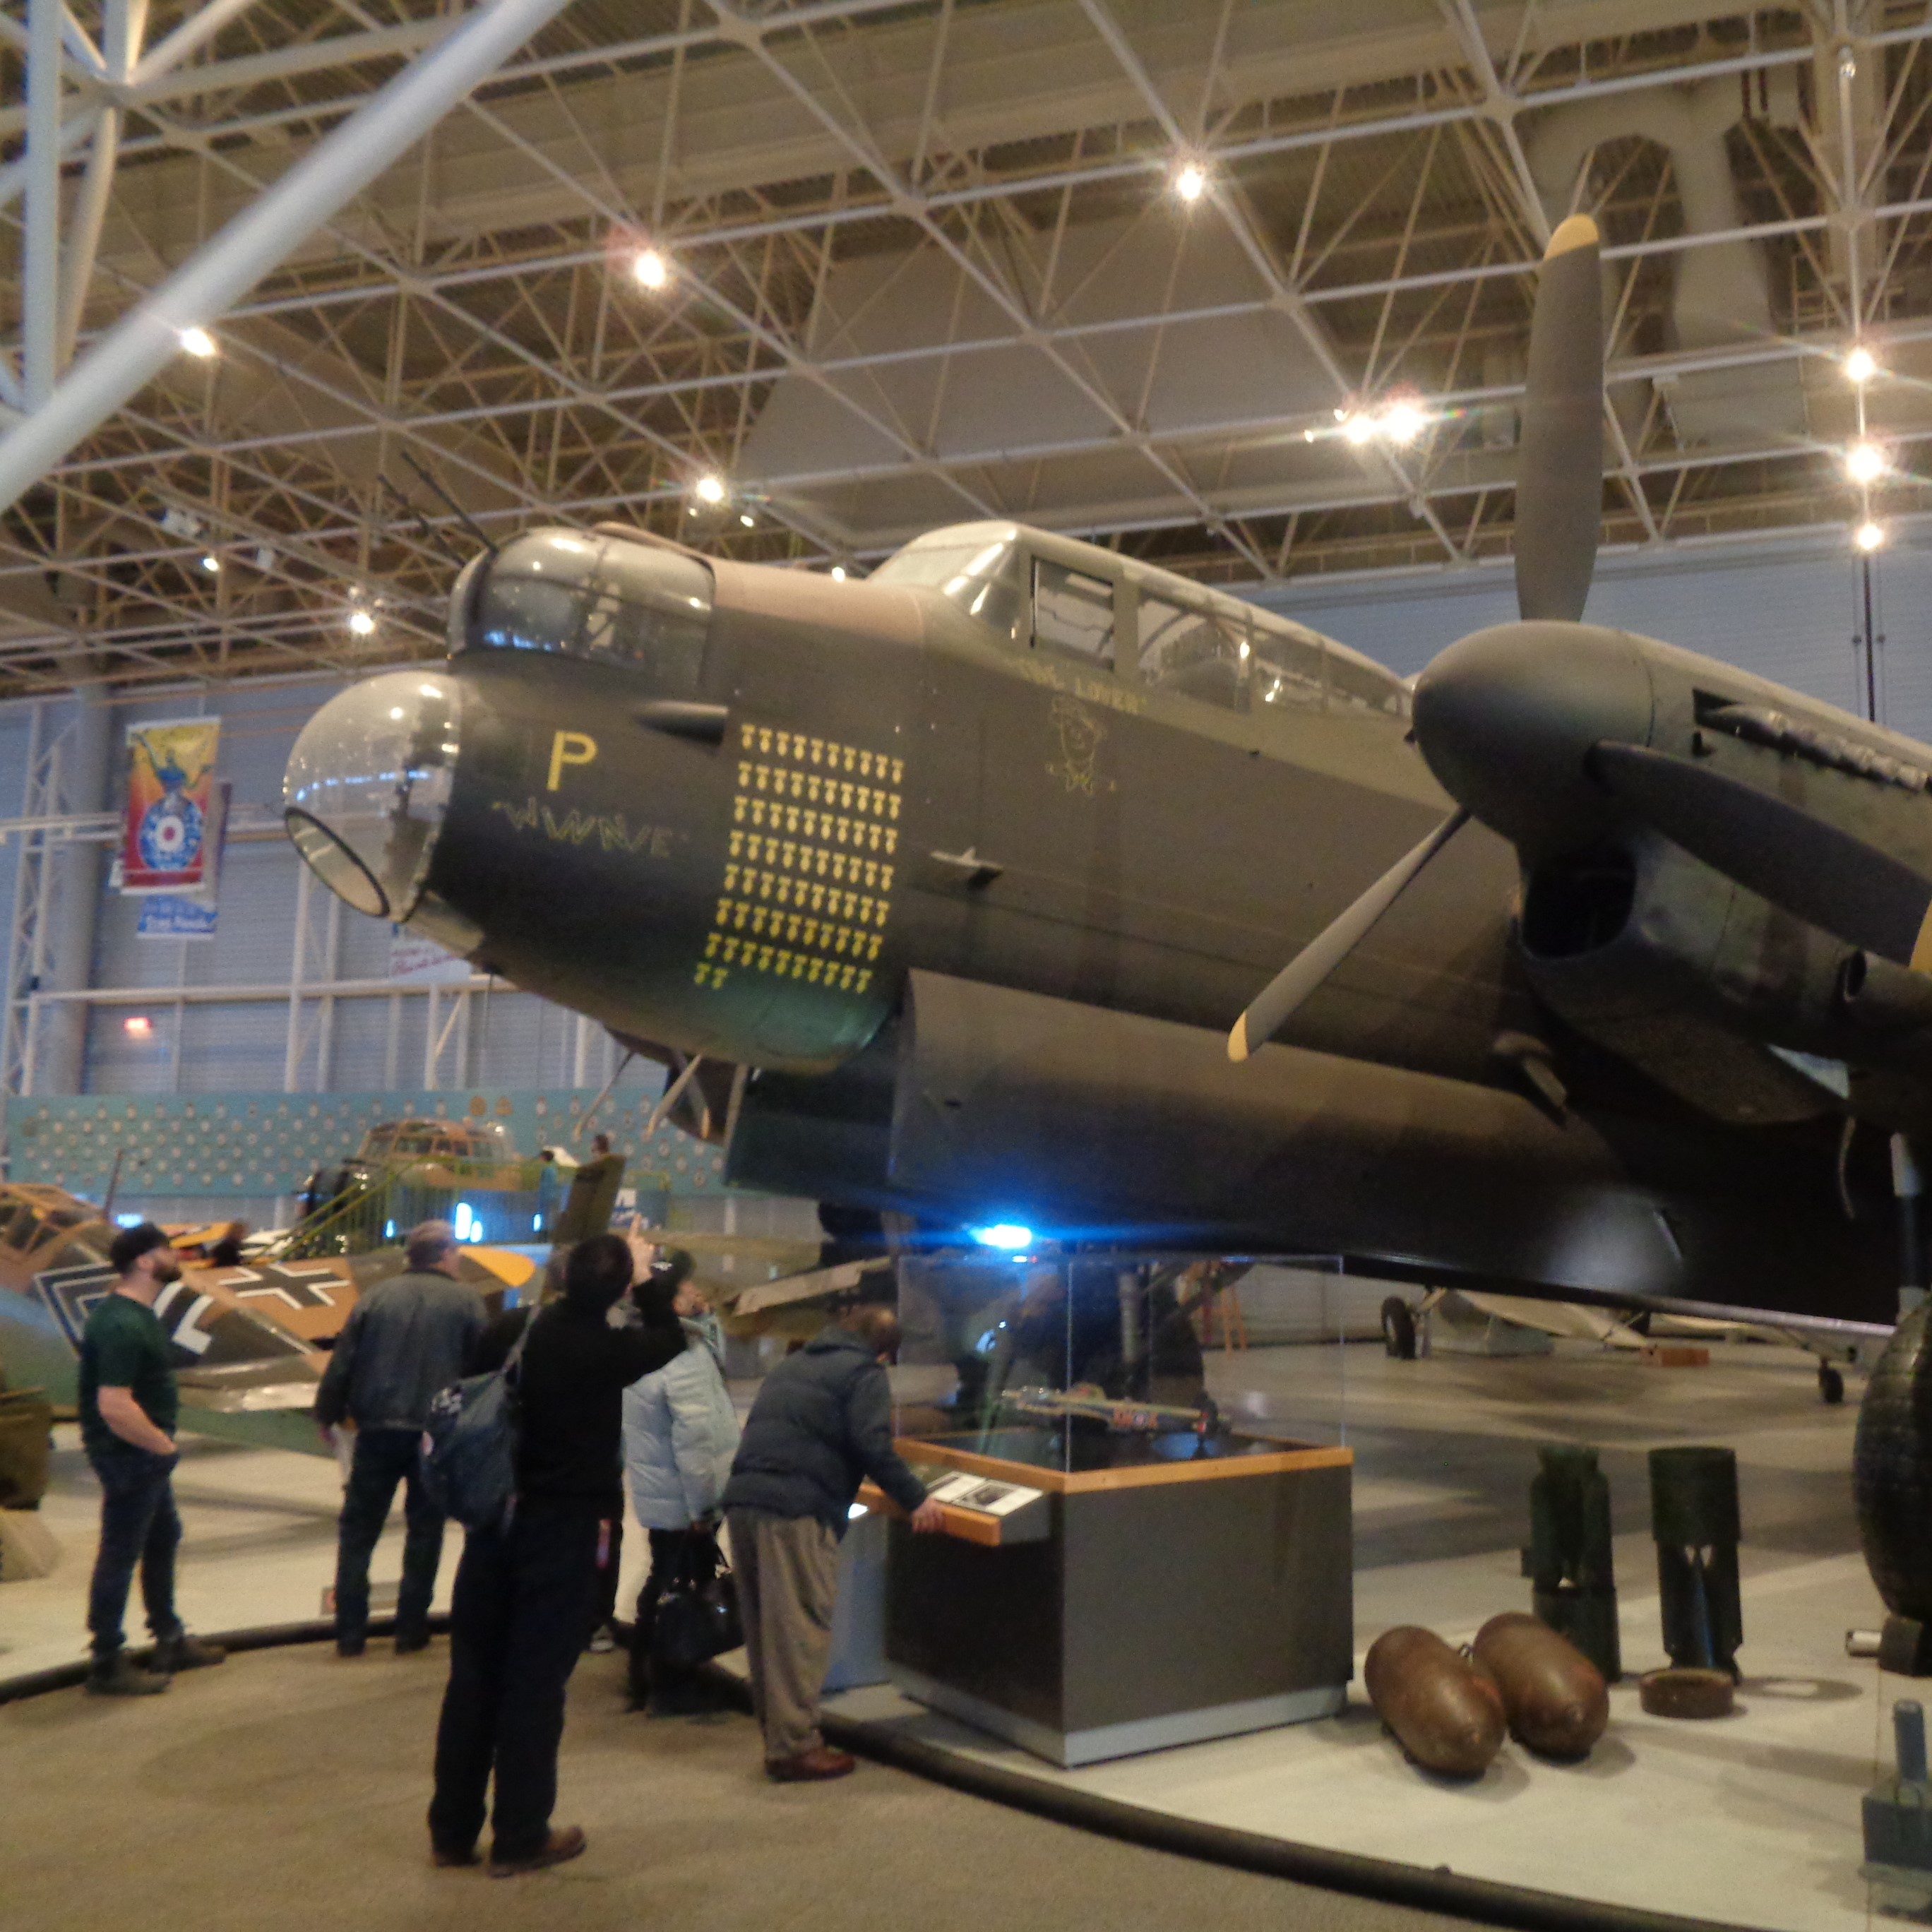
<point x="1864" y="462"/>
<point x="1861" y="365"/>
<point x="1402" y="422"/>
<point x="649" y="268"/>
<point x="197" y="342"/>
<point x="710" y="489"/>
<point x="838" y="573"/>
<point x="1869" y="536"/>
<point x="361" y="623"/>
<point x="1357" y="430"/>
<point x="1190" y="181"/>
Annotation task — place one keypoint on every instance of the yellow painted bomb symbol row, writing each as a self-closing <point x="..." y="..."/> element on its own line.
<point x="801" y="893"/>
<point x="786" y="854"/>
<point x="779" y="782"/>
<point x="766" y="741"/>
<point x="799" y="928"/>
<point x="812" y="968"/>
<point x="842" y="830"/>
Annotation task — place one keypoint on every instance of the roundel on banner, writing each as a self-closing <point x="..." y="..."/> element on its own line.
<point x="170" y="837"/>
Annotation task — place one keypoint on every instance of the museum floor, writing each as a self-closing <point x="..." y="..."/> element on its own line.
<point x="285" y="1762"/>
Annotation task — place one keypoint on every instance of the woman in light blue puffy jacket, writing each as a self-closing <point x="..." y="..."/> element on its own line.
<point x="680" y="1434"/>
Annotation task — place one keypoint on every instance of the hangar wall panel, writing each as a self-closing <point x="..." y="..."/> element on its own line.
<point x="512" y="1039"/>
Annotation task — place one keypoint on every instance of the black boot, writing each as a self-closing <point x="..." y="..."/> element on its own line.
<point x="183" y="1652"/>
<point x="120" y="1676"/>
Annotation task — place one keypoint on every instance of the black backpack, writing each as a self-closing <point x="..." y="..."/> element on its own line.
<point x="469" y="1444"/>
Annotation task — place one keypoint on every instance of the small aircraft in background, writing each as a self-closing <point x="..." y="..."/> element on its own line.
<point x="249" y="1341"/>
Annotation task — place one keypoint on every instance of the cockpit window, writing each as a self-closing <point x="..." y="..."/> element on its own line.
<point x="596" y="595"/>
<point x="982" y="578"/>
<point x="1073" y="614"/>
<point x="1362" y="687"/>
<point x="1194" y="653"/>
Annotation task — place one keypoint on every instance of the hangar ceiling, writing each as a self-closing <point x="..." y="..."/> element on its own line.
<point x="927" y="262"/>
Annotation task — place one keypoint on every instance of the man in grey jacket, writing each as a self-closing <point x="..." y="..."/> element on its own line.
<point x="821" y="1424"/>
<point x="405" y="1339"/>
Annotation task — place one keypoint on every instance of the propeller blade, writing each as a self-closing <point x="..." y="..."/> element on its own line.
<point x="1783" y="854"/>
<point x="1266" y="1016"/>
<point x="1559" y="484"/>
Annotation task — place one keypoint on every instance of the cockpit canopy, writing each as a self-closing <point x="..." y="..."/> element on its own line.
<point x="606" y="595"/>
<point x="1143" y="625"/>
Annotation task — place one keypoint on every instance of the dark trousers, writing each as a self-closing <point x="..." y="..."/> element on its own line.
<point x="610" y="1560"/>
<point x="383" y="1458"/>
<point x="652" y="1680"/>
<point x="138" y="1525"/>
<point x="523" y="1599"/>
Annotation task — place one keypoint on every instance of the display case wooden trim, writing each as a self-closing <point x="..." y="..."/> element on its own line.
<point x="1062" y="1483"/>
<point x="969" y="1525"/>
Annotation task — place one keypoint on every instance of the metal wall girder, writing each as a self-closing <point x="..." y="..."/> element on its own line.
<point x="326" y="177"/>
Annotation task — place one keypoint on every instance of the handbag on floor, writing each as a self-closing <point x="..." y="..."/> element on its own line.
<point x="697" y="1615"/>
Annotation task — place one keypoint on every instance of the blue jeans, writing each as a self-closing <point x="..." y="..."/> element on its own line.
<point x="139" y="1525"/>
<point x="383" y="1458"/>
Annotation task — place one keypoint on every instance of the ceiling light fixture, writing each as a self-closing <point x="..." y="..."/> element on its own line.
<point x="838" y="573"/>
<point x="711" y="489"/>
<point x="1869" y="537"/>
<point x="1864" y="462"/>
<point x="745" y="517"/>
<point x="1861" y="365"/>
<point x="197" y="342"/>
<point x="1190" y="181"/>
<point x="1402" y="422"/>
<point x="138" y="1026"/>
<point x="1357" y="430"/>
<point x="651" y="269"/>
<point x="361" y="623"/>
<point x="211" y="564"/>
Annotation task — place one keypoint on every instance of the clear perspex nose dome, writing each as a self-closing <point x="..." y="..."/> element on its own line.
<point x="367" y="785"/>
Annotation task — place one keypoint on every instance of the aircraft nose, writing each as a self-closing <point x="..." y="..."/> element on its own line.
<point x="1506" y="718"/>
<point x="367" y="786"/>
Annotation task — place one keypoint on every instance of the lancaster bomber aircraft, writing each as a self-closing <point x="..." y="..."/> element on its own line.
<point x="951" y="881"/>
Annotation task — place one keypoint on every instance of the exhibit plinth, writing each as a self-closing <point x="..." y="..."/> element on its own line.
<point x="1183" y="1589"/>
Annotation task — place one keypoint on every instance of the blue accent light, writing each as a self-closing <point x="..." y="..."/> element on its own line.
<point x="127" y="1220"/>
<point x="1008" y="1235"/>
<point x="465" y="1222"/>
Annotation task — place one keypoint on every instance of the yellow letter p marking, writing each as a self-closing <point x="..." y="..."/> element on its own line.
<point x="568" y="748"/>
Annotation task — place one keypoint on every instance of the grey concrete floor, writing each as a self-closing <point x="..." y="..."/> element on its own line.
<point x="287" y="1788"/>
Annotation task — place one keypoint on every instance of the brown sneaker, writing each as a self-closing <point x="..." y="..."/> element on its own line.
<point x="820" y="1763"/>
<point x="561" y="1845"/>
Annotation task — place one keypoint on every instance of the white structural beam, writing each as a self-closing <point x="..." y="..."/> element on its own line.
<point x="329" y="175"/>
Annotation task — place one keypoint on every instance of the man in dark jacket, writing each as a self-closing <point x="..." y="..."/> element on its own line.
<point x="404" y="1339"/>
<point x="525" y="1592"/>
<point x="821" y="1424"/>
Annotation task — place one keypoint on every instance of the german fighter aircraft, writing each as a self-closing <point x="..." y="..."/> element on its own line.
<point x="950" y="880"/>
<point x="249" y="1343"/>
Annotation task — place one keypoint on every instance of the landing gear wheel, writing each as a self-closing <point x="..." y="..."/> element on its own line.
<point x="1831" y="1384"/>
<point x="1398" y="1329"/>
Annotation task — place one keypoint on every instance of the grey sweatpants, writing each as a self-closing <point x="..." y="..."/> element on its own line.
<point x="787" y="1572"/>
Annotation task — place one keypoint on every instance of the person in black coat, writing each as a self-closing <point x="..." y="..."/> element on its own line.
<point x="525" y="1592"/>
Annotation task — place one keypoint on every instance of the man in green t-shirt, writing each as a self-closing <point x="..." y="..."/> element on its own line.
<point x="128" y="1406"/>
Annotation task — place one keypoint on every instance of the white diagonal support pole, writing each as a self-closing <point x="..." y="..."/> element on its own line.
<point x="40" y="291"/>
<point x="336" y="168"/>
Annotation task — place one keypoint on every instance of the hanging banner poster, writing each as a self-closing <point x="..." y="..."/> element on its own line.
<point x="165" y="842"/>
<point x="191" y="916"/>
